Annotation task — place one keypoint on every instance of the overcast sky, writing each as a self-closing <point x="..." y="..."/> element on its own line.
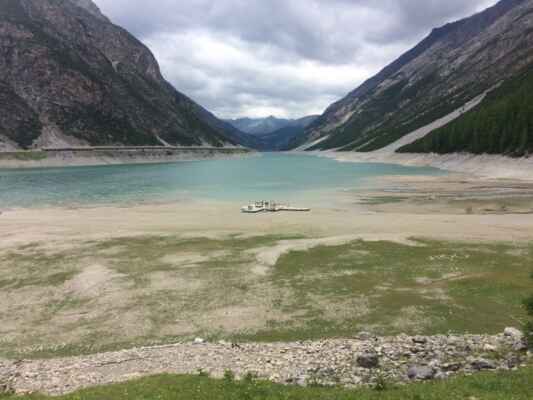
<point x="287" y="58"/>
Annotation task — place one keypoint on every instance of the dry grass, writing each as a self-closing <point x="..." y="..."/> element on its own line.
<point x="99" y="295"/>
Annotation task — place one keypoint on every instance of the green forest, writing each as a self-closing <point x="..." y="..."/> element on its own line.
<point x="501" y="124"/>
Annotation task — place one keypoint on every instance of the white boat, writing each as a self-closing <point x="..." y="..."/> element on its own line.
<point x="296" y="209"/>
<point x="254" y="208"/>
<point x="270" y="206"/>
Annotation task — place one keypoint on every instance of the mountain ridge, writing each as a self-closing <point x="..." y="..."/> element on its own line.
<point x="268" y="125"/>
<point x="71" y="77"/>
<point x="451" y="66"/>
<point x="91" y="7"/>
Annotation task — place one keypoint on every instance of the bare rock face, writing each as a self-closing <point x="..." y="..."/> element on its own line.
<point x="451" y="66"/>
<point x="68" y="72"/>
<point x="90" y="7"/>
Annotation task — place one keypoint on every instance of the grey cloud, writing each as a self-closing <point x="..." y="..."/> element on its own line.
<point x="324" y="30"/>
<point x="275" y="39"/>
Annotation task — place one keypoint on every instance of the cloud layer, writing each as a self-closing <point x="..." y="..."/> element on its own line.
<point x="284" y="57"/>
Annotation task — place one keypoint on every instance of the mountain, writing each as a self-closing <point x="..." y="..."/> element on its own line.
<point x="70" y="77"/>
<point x="271" y="133"/>
<point x="501" y="124"/>
<point x="452" y="66"/>
<point x="265" y="126"/>
<point x="281" y="139"/>
<point x="259" y="126"/>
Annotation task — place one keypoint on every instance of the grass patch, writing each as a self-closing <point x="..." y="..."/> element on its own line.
<point x="29" y="266"/>
<point x="487" y="386"/>
<point x="390" y="288"/>
<point x="135" y="291"/>
<point x="139" y="256"/>
<point x="30" y="155"/>
<point x="380" y="200"/>
<point x="510" y="205"/>
<point x="125" y="292"/>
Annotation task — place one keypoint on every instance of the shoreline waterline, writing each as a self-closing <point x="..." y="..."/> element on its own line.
<point x="267" y="176"/>
<point x="92" y="157"/>
<point x="483" y="166"/>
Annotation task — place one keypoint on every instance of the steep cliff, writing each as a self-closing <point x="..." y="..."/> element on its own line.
<point x="71" y="77"/>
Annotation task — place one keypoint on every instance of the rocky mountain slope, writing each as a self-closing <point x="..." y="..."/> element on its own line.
<point x="453" y="65"/>
<point x="501" y="124"/>
<point x="271" y="133"/>
<point x="70" y="77"/>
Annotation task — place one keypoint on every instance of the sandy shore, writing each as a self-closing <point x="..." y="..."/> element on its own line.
<point x="455" y="207"/>
<point x="485" y="166"/>
<point x="429" y="217"/>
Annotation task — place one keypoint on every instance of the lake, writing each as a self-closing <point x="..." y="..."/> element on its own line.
<point x="280" y="177"/>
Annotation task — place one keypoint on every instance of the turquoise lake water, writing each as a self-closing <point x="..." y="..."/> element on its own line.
<point x="279" y="177"/>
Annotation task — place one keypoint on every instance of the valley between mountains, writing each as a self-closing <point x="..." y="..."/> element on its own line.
<point x="409" y="276"/>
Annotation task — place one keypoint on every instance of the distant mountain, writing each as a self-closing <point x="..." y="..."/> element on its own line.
<point x="270" y="133"/>
<point x="281" y="139"/>
<point x="453" y="65"/>
<point x="264" y="126"/>
<point x="258" y="126"/>
<point x="71" y="77"/>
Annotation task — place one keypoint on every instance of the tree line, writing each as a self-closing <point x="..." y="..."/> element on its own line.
<point x="501" y="124"/>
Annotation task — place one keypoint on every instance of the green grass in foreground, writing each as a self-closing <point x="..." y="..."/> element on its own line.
<point x="433" y="287"/>
<point x="485" y="386"/>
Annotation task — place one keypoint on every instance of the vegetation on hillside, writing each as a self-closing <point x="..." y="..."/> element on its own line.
<point x="450" y="67"/>
<point x="528" y="304"/>
<point x="362" y="133"/>
<point x="487" y="386"/>
<point x="501" y="124"/>
<point x="30" y="155"/>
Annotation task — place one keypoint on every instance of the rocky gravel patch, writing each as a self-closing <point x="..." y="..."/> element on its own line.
<point x="365" y="360"/>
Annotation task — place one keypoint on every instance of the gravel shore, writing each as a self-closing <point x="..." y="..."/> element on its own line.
<point x="349" y="362"/>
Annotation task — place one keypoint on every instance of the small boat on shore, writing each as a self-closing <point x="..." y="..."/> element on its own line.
<point x="253" y="208"/>
<point x="270" y="206"/>
<point x="295" y="209"/>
